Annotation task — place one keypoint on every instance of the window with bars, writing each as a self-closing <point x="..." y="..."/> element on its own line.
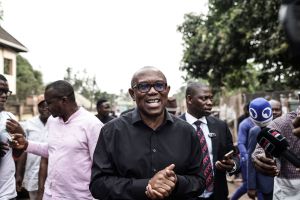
<point x="8" y="68"/>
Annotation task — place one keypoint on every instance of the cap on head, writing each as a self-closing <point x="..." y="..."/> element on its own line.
<point x="260" y="111"/>
<point x="40" y="99"/>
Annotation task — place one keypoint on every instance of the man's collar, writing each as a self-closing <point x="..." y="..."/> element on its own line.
<point x="74" y="115"/>
<point x="136" y="117"/>
<point x="191" y="119"/>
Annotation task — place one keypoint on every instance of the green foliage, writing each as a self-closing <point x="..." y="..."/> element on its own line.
<point x="219" y="45"/>
<point x="87" y="86"/>
<point x="29" y="81"/>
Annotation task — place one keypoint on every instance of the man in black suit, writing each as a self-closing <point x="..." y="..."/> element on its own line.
<point x="218" y="138"/>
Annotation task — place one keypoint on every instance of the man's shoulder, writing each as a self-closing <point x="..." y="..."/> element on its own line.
<point x="88" y="116"/>
<point x="246" y="121"/>
<point x="180" y="121"/>
<point x="7" y="115"/>
<point x="118" y="122"/>
<point x="31" y="122"/>
<point x="254" y="130"/>
<point x="212" y="119"/>
<point x="180" y="125"/>
<point x="33" y="119"/>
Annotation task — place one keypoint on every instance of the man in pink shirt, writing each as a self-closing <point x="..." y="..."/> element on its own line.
<point x="72" y="136"/>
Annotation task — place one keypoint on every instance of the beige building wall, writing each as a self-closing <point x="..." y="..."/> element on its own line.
<point x="11" y="78"/>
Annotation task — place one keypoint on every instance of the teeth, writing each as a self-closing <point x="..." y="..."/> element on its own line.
<point x="153" y="100"/>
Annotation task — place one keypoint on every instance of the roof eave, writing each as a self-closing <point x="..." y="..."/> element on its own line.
<point x="17" y="47"/>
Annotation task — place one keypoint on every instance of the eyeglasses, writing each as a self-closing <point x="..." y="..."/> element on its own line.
<point x="6" y="92"/>
<point x="145" y="87"/>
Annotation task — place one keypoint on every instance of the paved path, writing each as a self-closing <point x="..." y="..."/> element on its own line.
<point x="232" y="186"/>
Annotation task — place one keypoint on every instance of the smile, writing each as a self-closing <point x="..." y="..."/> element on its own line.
<point x="153" y="100"/>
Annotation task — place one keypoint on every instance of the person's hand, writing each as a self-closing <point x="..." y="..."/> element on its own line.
<point x="162" y="183"/>
<point x="12" y="126"/>
<point x="19" y="142"/>
<point x="3" y="148"/>
<point x="226" y="164"/>
<point x="251" y="193"/>
<point x="296" y="124"/>
<point x="265" y="165"/>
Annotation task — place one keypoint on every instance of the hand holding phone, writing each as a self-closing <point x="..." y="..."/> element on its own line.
<point x="228" y="155"/>
<point x="226" y="164"/>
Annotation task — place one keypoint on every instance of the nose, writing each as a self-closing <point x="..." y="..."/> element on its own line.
<point x="209" y="101"/>
<point x="152" y="90"/>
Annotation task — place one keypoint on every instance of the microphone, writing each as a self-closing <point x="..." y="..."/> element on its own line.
<point x="260" y="111"/>
<point x="277" y="145"/>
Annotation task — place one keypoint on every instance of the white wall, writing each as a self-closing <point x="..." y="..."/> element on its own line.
<point x="4" y="53"/>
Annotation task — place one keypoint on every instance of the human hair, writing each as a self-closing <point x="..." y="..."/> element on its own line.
<point x="100" y="102"/>
<point x="192" y="87"/>
<point x="3" y="78"/>
<point x="62" y="88"/>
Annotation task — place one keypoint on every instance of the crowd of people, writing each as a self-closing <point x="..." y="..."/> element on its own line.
<point x="66" y="152"/>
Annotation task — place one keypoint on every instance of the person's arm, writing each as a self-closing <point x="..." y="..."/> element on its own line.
<point x="20" y="170"/>
<point x="14" y="127"/>
<point x="105" y="182"/>
<point x="92" y="136"/>
<point x="22" y="144"/>
<point x="242" y="140"/>
<point x="251" y="172"/>
<point x="42" y="177"/>
<point x="232" y="163"/>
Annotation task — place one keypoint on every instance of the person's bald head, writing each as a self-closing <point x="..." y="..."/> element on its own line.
<point x="144" y="71"/>
<point x="276" y="108"/>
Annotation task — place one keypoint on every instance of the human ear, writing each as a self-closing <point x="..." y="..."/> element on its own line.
<point x="188" y="99"/>
<point x="131" y="92"/>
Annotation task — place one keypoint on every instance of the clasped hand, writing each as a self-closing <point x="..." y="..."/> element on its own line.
<point x="162" y="183"/>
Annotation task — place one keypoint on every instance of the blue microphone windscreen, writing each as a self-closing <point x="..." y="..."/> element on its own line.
<point x="260" y="111"/>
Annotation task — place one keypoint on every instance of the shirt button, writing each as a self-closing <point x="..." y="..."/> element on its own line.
<point x="154" y="170"/>
<point x="154" y="150"/>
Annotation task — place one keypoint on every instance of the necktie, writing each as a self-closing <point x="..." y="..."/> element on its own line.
<point x="206" y="164"/>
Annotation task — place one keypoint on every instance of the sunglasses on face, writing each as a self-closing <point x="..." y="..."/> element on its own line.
<point x="145" y="87"/>
<point x="6" y="92"/>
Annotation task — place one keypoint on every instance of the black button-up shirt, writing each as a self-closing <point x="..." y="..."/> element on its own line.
<point x="129" y="153"/>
